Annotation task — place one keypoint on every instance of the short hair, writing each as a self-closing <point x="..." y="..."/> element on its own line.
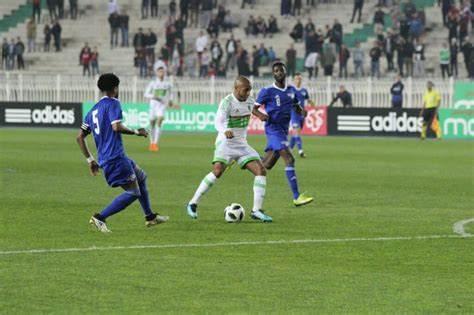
<point x="278" y="63"/>
<point x="107" y="82"/>
<point x="296" y="74"/>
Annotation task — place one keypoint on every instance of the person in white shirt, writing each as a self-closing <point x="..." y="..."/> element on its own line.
<point x="201" y="43"/>
<point x="113" y="6"/>
<point x="159" y="92"/>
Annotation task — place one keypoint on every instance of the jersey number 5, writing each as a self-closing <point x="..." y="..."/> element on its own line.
<point x="96" y="121"/>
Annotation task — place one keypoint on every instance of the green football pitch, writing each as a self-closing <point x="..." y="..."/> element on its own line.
<point x="378" y="239"/>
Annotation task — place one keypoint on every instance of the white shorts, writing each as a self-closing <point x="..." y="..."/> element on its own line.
<point x="240" y="152"/>
<point x="157" y="110"/>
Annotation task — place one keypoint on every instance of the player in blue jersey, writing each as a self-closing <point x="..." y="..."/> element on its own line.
<point x="104" y="121"/>
<point x="297" y="120"/>
<point x="279" y="100"/>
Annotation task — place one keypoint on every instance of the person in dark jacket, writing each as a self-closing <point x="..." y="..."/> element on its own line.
<point x="47" y="37"/>
<point x="5" y="54"/>
<point x="397" y="92"/>
<point x="73" y="9"/>
<point x="114" y="22"/>
<point x="468" y="53"/>
<point x="297" y="32"/>
<point x="184" y="9"/>
<point x="344" y="56"/>
<point x="344" y="96"/>
<point x="53" y="15"/>
<point x="291" y="60"/>
<point x="124" y="20"/>
<point x="20" y="50"/>
<point x="56" y="32"/>
<point x="358" y="4"/>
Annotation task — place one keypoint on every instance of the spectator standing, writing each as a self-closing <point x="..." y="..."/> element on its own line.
<point x="337" y="34"/>
<point x="359" y="57"/>
<point x="272" y="26"/>
<point x="454" y="50"/>
<point x="85" y="49"/>
<point x="172" y="9"/>
<point x="201" y="43"/>
<point x="243" y="67"/>
<point x="297" y="7"/>
<point x="154" y="8"/>
<point x="11" y="54"/>
<point x="31" y="35"/>
<point x="113" y="6"/>
<point x="114" y="22"/>
<point x="468" y="54"/>
<point x="328" y="59"/>
<point x="216" y="53"/>
<point x="358" y="5"/>
<point x="379" y="19"/>
<point x="397" y="92"/>
<point x="53" y="16"/>
<point x="375" y="54"/>
<point x="389" y="45"/>
<point x="213" y="28"/>
<point x="466" y="15"/>
<point x="409" y="9"/>
<point x="47" y="37"/>
<point x="419" y="60"/>
<point x="36" y="4"/>
<point x="73" y="9"/>
<point x="231" y="49"/>
<point x="19" y="51"/>
<point x="255" y="62"/>
<point x="445" y="6"/>
<point x="309" y="27"/>
<point x="139" y="39"/>
<point x="271" y="55"/>
<point x="85" y="61"/>
<point x="184" y="9"/>
<point x="344" y="56"/>
<point x="445" y="60"/>
<point x="191" y="63"/>
<point x="228" y="22"/>
<point x="150" y="43"/>
<point x="206" y="12"/>
<point x="5" y="54"/>
<point x="194" y="6"/>
<point x="205" y="60"/>
<point x="408" y="51"/>
<point x="56" y="32"/>
<point x="142" y="62"/>
<point x="95" y="62"/>
<point x="60" y="4"/>
<point x="297" y="32"/>
<point x="452" y="25"/>
<point x="291" y="60"/>
<point x="145" y="8"/>
<point x="285" y="8"/>
<point x="124" y="21"/>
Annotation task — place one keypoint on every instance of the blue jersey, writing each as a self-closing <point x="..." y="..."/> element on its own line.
<point x="99" y="121"/>
<point x="278" y="105"/>
<point x="302" y="96"/>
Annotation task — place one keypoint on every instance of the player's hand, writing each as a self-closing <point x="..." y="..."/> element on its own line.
<point x="304" y="112"/>
<point x="229" y="134"/>
<point x="264" y="117"/>
<point x="94" y="168"/>
<point x="157" y="98"/>
<point x="142" y="132"/>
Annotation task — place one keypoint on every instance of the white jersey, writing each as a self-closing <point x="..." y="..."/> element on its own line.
<point x="233" y="115"/>
<point x="161" y="89"/>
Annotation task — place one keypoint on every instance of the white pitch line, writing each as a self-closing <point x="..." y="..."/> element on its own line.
<point x="196" y="245"/>
<point x="458" y="227"/>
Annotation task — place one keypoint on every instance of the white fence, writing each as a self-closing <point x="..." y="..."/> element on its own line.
<point x="18" y="87"/>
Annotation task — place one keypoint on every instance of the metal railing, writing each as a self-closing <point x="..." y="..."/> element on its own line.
<point x="18" y="87"/>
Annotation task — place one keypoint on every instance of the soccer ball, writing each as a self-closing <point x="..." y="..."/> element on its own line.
<point x="234" y="213"/>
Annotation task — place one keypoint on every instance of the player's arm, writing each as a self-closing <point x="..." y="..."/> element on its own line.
<point x="298" y="108"/>
<point x="262" y="98"/>
<point x="121" y="128"/>
<point x="256" y="111"/>
<point x="334" y="100"/>
<point x="221" y="117"/>
<point x="81" y="141"/>
<point x="171" y="96"/>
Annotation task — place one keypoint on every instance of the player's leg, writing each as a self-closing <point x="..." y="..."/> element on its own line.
<point x="150" y="217"/>
<point x="259" y="188"/>
<point x="297" y="136"/>
<point x="270" y="159"/>
<point x="207" y="182"/>
<point x="427" y="119"/>
<point x="158" y="130"/>
<point x="153" y="119"/>
<point x="298" y="198"/>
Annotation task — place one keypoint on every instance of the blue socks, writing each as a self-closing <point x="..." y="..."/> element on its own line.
<point x="120" y="203"/>
<point x="296" y="140"/>
<point x="291" y="175"/>
<point x="144" y="200"/>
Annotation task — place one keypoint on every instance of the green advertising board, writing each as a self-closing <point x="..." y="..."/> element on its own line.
<point x="458" y="122"/>
<point x="193" y="118"/>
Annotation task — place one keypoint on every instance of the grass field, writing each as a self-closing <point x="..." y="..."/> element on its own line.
<point x="361" y="255"/>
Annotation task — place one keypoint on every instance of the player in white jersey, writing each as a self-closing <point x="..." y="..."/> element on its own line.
<point x="232" y="119"/>
<point x="159" y="92"/>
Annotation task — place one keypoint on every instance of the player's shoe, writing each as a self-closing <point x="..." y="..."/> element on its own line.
<point x="191" y="208"/>
<point x="302" y="200"/>
<point x="302" y="155"/>
<point x="153" y="147"/>
<point x="99" y="223"/>
<point x="260" y="215"/>
<point x="155" y="219"/>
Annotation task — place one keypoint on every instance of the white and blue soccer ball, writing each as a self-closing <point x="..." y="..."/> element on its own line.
<point x="234" y="213"/>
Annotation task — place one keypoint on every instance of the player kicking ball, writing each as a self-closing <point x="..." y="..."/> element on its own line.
<point x="279" y="100"/>
<point x="160" y="95"/>
<point x="297" y="120"/>
<point x="104" y="121"/>
<point x="232" y="119"/>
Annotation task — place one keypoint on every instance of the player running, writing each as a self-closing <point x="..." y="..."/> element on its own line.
<point x="232" y="119"/>
<point x="159" y="92"/>
<point x="279" y="100"/>
<point x="297" y="120"/>
<point x="104" y="121"/>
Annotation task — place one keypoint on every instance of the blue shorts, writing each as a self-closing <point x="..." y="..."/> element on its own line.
<point x="119" y="172"/>
<point x="277" y="142"/>
<point x="297" y="123"/>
